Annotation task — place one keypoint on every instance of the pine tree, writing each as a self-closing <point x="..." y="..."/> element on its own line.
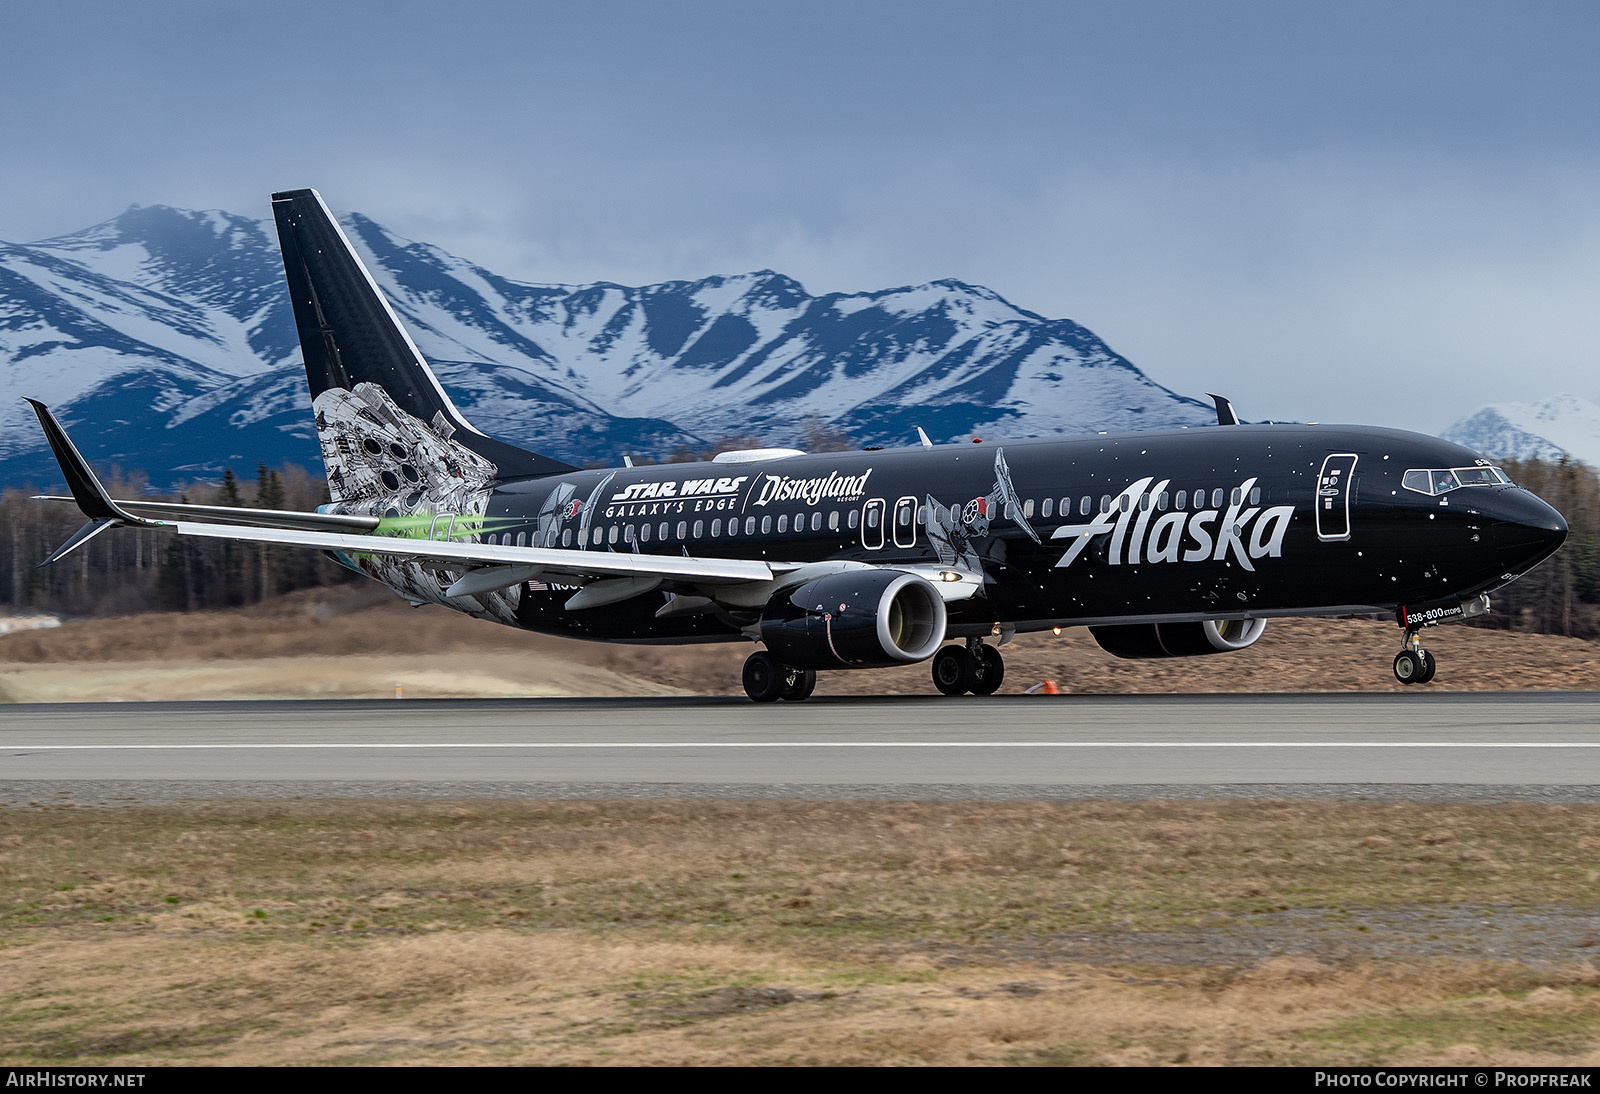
<point x="269" y="560"/>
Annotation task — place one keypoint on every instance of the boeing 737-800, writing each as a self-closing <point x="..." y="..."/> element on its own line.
<point x="1167" y="543"/>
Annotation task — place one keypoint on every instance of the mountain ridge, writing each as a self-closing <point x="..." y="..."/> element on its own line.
<point x="164" y="338"/>
<point x="1545" y="429"/>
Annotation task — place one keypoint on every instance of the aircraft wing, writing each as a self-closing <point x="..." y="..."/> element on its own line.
<point x="345" y="534"/>
<point x="231" y="514"/>
<point x="548" y="560"/>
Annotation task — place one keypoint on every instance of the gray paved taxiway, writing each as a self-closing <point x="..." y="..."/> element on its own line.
<point x="1542" y="745"/>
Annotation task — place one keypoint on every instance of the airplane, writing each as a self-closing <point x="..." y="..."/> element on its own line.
<point x="1167" y="543"/>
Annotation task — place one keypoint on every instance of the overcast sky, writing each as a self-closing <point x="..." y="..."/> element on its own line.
<point x="1381" y="212"/>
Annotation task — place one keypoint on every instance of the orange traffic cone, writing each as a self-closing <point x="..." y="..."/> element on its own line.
<point x="1049" y="688"/>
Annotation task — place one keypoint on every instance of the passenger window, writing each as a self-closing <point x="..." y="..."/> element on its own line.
<point x="783" y="522"/>
<point x="1124" y="502"/>
<point x="1105" y="503"/>
<point x="1161" y="502"/>
<point x="612" y="538"/>
<point x="1183" y="497"/>
<point x="816" y="521"/>
<point x="1237" y="496"/>
<point x="566" y="537"/>
<point x="1085" y="505"/>
<point x="699" y="529"/>
<point x="1255" y="495"/>
<point x="628" y="535"/>
<point x="766" y="525"/>
<point x="598" y="534"/>
<point x="872" y="526"/>
<point x="521" y="539"/>
<point x="661" y="533"/>
<point x="1011" y="511"/>
<point x="644" y="533"/>
<point x="1216" y="498"/>
<point x="855" y="519"/>
<point x="733" y="526"/>
<point x="749" y="526"/>
<point x="716" y="528"/>
<point x="833" y="520"/>
<point x="1027" y="509"/>
<point x="1144" y="503"/>
<point x="1044" y="507"/>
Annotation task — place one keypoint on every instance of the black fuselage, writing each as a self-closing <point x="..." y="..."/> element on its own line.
<point x="1212" y="523"/>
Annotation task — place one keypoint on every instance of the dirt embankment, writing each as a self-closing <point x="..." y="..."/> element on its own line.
<point x="362" y="641"/>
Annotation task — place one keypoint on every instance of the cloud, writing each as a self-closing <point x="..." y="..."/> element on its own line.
<point x="1369" y="211"/>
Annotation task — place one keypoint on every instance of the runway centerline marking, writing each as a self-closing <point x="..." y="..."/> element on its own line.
<point x="393" y="745"/>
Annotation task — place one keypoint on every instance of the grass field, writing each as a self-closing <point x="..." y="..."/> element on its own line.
<point x="905" y="933"/>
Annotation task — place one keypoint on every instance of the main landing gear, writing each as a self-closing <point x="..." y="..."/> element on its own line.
<point x="766" y="679"/>
<point x="974" y="667"/>
<point x="1413" y="664"/>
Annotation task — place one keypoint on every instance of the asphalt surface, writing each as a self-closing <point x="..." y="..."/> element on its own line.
<point x="1541" y="746"/>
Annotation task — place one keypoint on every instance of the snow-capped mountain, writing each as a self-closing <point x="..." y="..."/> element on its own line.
<point x="1546" y="430"/>
<point x="165" y="340"/>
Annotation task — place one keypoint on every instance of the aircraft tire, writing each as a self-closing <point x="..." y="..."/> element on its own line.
<point x="953" y="670"/>
<point x="1408" y="667"/>
<point x="763" y="677"/>
<point x="1430" y="665"/>
<point x="992" y="672"/>
<point x="798" y="684"/>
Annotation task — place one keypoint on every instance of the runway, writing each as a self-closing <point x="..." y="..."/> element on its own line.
<point x="1545" y="745"/>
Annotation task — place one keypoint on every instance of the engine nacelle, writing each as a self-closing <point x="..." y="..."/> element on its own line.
<point x="1179" y="639"/>
<point x="857" y="619"/>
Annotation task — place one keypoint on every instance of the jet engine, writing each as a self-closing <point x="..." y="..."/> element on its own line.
<point x="867" y="618"/>
<point x="1179" y="639"/>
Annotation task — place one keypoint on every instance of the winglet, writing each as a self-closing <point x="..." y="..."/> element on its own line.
<point x="86" y="489"/>
<point x="1226" y="415"/>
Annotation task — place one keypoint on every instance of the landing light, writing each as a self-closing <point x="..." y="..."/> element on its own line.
<point x="1055" y="630"/>
<point x="949" y="575"/>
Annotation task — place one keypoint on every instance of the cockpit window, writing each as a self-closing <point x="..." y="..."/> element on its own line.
<point x="1442" y="480"/>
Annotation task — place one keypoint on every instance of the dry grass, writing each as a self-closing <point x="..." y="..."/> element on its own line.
<point x="666" y="932"/>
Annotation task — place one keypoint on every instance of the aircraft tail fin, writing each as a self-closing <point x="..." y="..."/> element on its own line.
<point x="370" y="386"/>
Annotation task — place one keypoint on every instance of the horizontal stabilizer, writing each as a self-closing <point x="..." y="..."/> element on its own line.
<point x="79" y="538"/>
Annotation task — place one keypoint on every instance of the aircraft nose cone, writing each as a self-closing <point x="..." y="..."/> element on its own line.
<point x="1527" y="532"/>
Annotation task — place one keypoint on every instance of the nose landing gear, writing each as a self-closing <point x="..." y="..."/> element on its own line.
<point x="974" y="667"/>
<point x="1413" y="664"/>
